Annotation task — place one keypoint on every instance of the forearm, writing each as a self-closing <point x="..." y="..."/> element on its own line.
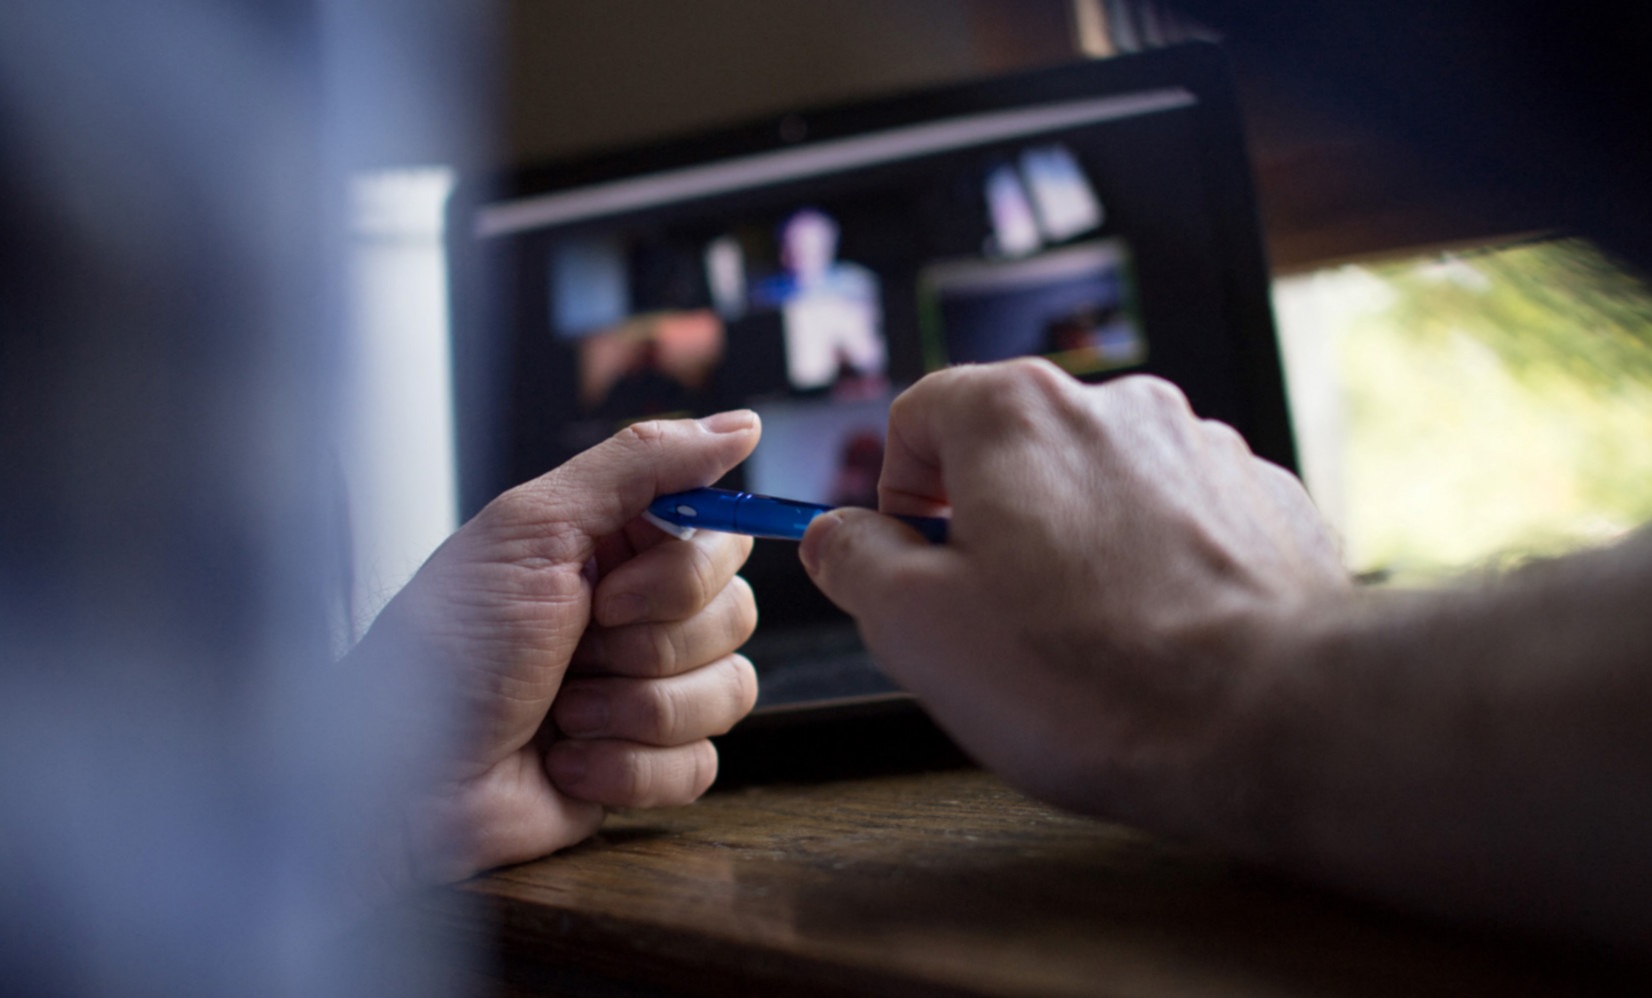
<point x="1484" y="751"/>
<point x="1168" y="637"/>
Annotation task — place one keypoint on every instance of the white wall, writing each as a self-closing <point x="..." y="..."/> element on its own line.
<point x="399" y="461"/>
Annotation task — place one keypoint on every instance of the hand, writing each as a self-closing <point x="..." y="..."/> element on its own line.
<point x="1094" y="626"/>
<point x="501" y="619"/>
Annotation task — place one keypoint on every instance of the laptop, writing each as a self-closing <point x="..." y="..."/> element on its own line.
<point x="811" y="265"/>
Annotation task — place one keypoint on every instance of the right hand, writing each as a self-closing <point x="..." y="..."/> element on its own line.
<point x="1104" y="608"/>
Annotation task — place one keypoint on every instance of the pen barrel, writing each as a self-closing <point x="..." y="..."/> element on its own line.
<point x="766" y="516"/>
<point x="760" y="515"/>
<point x="787" y="519"/>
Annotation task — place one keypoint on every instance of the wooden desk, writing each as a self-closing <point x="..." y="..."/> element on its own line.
<point x="949" y="883"/>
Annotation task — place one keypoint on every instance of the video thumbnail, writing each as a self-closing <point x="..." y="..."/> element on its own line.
<point x="821" y="451"/>
<point x="1072" y="305"/>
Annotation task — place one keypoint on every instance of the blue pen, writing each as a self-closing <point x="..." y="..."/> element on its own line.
<point x="680" y="513"/>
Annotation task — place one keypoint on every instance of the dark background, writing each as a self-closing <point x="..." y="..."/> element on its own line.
<point x="1374" y="129"/>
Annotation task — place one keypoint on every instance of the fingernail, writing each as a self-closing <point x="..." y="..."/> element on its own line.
<point x="735" y="421"/>
<point x="624" y="608"/>
<point x="568" y="764"/>
<point x="582" y="712"/>
<point x="815" y="539"/>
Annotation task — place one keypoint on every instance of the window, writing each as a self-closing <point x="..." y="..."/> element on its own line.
<point x="1467" y="409"/>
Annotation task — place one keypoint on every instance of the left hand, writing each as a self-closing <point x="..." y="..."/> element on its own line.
<point x="563" y="708"/>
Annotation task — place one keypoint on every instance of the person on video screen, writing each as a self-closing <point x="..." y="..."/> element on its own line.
<point x="860" y="461"/>
<point x="830" y="308"/>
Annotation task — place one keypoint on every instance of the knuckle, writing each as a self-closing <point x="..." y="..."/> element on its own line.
<point x="1022" y="394"/>
<point x="915" y="398"/>
<point x="1285" y="485"/>
<point x="648" y="433"/>
<point x="507" y="505"/>
<point x="1038" y="373"/>
<point x="836" y="550"/>
<point x="735" y="548"/>
<point x="997" y="391"/>
<point x="702" y="768"/>
<point x="1223" y="435"/>
<point x="666" y="711"/>
<point x="525" y="522"/>
<point x="561" y="544"/>
<point x="633" y="777"/>
<point x="1155" y="391"/>
<point x="742" y="691"/>
<point x="743" y="620"/>
<point x="703" y="570"/>
<point x="511" y="510"/>
<point x="668" y="651"/>
<point x="1280" y="476"/>
<point x="1024" y="378"/>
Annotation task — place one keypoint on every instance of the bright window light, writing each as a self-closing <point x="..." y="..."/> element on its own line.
<point x="1466" y="410"/>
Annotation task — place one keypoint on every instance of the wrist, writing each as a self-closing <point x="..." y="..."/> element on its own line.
<point x="1248" y="788"/>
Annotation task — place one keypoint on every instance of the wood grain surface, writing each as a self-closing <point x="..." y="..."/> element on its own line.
<point x="949" y="883"/>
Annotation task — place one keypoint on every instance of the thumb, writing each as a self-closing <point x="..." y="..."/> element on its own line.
<point x="867" y="563"/>
<point x="595" y="493"/>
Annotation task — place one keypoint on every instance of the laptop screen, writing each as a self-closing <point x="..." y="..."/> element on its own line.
<point x="812" y="266"/>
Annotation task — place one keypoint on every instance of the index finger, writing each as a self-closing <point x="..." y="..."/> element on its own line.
<point x="911" y="482"/>
<point x="969" y="407"/>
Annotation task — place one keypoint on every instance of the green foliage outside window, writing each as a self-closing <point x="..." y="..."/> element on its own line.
<point x="1497" y="405"/>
